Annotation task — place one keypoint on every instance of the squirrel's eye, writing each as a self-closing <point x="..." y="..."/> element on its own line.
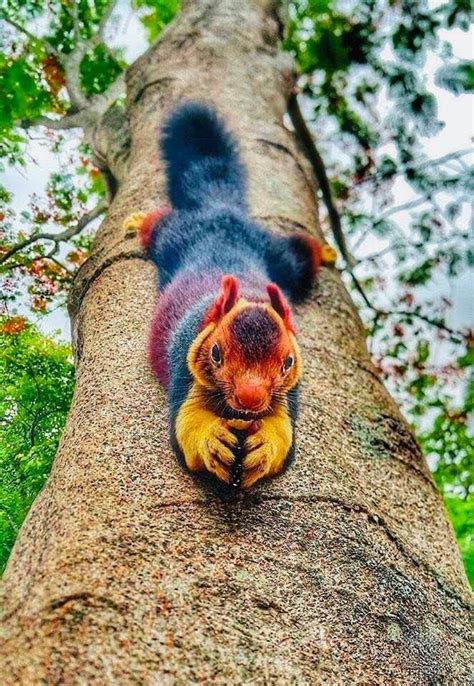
<point x="216" y="356"/>
<point x="288" y="363"/>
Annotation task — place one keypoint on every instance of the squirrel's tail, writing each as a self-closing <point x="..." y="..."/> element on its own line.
<point x="202" y="160"/>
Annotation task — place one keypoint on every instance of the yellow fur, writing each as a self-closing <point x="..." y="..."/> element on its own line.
<point x="204" y="438"/>
<point x="207" y="442"/>
<point x="193" y="354"/>
<point x="328" y="255"/>
<point x="134" y="221"/>
<point x="268" y="447"/>
<point x="240" y="424"/>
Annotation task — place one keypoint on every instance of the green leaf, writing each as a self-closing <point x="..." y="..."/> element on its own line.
<point x="160" y="14"/>
<point x="98" y="70"/>
<point x="457" y="78"/>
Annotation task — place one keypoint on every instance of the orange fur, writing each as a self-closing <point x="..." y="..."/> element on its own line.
<point x="315" y="250"/>
<point x="237" y="377"/>
<point x="148" y="224"/>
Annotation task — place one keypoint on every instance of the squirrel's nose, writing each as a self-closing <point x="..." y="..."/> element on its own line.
<point x="251" y="396"/>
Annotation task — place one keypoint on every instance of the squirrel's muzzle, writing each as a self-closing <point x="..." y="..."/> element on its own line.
<point x="251" y="397"/>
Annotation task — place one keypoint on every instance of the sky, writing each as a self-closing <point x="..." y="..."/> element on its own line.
<point x="456" y="111"/>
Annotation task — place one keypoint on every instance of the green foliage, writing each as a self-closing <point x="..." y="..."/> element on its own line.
<point x="441" y="419"/>
<point x="353" y="56"/>
<point x="458" y="78"/>
<point x="98" y="70"/>
<point x="32" y="77"/>
<point x="461" y="513"/>
<point x="25" y="94"/>
<point x="37" y="382"/>
<point x="24" y="97"/>
<point x="159" y="14"/>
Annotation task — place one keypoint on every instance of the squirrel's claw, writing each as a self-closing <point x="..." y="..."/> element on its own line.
<point x="211" y="449"/>
<point x="220" y="443"/>
<point x="208" y="443"/>
<point x="215" y="467"/>
<point x="328" y="255"/>
<point x="267" y="449"/>
<point x="261" y="461"/>
<point x="218" y="456"/>
<point x="134" y="221"/>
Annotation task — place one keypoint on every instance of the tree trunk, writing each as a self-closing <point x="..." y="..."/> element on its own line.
<point x="127" y="570"/>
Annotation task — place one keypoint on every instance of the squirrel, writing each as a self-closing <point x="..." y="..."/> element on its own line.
<point x="222" y="338"/>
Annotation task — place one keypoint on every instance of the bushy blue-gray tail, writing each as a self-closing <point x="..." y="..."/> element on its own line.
<point x="202" y="159"/>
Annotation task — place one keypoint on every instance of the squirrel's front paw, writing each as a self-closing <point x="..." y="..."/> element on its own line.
<point x="205" y="440"/>
<point x="267" y="448"/>
<point x="208" y="445"/>
<point x="216" y="451"/>
<point x="134" y="221"/>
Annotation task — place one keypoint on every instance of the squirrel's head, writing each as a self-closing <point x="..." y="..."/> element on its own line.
<point x="246" y="356"/>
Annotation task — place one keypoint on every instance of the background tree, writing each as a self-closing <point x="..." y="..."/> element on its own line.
<point x="365" y="95"/>
<point x="327" y="517"/>
<point x="37" y="381"/>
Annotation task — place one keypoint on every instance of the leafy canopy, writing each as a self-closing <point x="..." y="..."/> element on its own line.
<point x="365" y="94"/>
<point x="37" y="382"/>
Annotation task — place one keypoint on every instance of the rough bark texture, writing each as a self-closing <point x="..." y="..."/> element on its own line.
<point x="129" y="571"/>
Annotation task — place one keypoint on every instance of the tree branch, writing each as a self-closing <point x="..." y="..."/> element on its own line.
<point x="455" y="156"/>
<point x="85" y="110"/>
<point x="319" y="168"/>
<point x="72" y="63"/>
<point x="75" y="19"/>
<point x="87" y="115"/>
<point x="335" y="220"/>
<point x="105" y="18"/>
<point x="57" y="238"/>
<point x="31" y="36"/>
<point x="101" y="101"/>
<point x="409" y="205"/>
<point x="456" y="336"/>
<point x="68" y="121"/>
<point x="69" y="62"/>
<point x="60" y="264"/>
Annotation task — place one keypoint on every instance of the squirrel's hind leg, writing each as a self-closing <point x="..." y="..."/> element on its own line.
<point x="145" y="224"/>
<point x="293" y="263"/>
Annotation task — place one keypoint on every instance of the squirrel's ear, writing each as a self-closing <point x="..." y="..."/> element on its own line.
<point x="281" y="307"/>
<point x="225" y="301"/>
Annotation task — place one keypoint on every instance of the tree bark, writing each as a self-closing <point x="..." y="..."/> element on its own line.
<point x="130" y="571"/>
